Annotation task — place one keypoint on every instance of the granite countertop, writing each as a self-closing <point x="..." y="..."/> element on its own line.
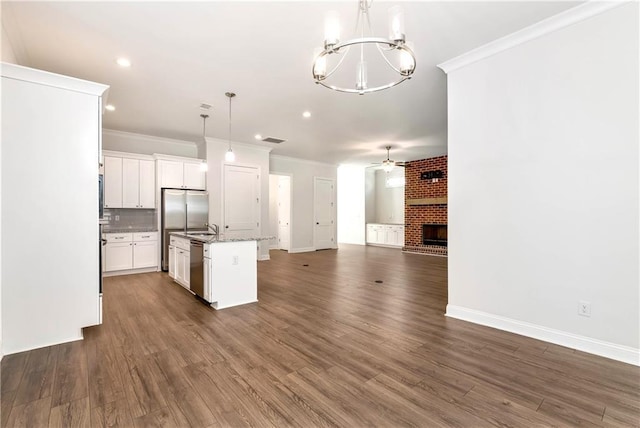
<point x="132" y="230"/>
<point x="213" y="239"/>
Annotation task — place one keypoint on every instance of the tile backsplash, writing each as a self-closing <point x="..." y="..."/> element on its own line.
<point x="121" y="219"/>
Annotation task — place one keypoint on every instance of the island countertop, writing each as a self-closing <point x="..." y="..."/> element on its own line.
<point x="213" y="239"/>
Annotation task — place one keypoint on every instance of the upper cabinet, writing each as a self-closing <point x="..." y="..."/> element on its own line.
<point x="181" y="174"/>
<point x="129" y="182"/>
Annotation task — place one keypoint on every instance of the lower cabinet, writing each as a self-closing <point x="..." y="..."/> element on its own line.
<point x="391" y="235"/>
<point x="127" y="251"/>
<point x="180" y="261"/>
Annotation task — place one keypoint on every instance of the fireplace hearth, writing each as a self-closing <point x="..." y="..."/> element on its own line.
<point x="434" y="234"/>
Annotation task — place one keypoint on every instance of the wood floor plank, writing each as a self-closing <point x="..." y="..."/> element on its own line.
<point x="73" y="414"/>
<point x="325" y="345"/>
<point x="32" y="414"/>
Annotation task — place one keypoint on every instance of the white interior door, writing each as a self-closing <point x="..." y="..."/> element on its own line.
<point x="284" y="212"/>
<point x="324" y="207"/>
<point x="241" y="201"/>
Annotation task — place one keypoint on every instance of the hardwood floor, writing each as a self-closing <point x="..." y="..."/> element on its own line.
<point x="325" y="346"/>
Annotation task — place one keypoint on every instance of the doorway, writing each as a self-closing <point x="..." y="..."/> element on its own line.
<point x="324" y="197"/>
<point x="280" y="211"/>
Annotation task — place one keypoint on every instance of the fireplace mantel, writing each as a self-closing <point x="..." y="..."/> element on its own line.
<point x="427" y="201"/>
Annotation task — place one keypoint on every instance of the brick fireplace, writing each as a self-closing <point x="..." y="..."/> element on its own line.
<point x="425" y="203"/>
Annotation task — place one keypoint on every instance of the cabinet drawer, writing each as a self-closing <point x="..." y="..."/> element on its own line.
<point x="118" y="237"/>
<point x="145" y="236"/>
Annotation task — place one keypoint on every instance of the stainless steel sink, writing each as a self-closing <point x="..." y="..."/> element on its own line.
<point x="201" y="234"/>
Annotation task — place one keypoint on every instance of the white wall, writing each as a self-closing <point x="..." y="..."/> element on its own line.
<point x="389" y="201"/>
<point x="245" y="155"/>
<point x="370" y="195"/>
<point x="147" y="144"/>
<point x="8" y="55"/>
<point x="273" y="210"/>
<point x="303" y="173"/>
<point x="543" y="186"/>
<point x="351" y="204"/>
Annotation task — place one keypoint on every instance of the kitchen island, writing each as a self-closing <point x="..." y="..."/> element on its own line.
<point x="222" y="272"/>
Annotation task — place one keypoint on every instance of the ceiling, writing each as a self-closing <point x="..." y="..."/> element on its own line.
<point x="187" y="53"/>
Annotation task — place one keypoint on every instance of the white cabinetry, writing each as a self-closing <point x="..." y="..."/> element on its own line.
<point x="127" y="251"/>
<point x="138" y="183"/>
<point x="51" y="130"/>
<point x="112" y="182"/>
<point x="181" y="174"/>
<point x="180" y="263"/>
<point x="118" y="252"/>
<point x="129" y="182"/>
<point x="391" y="235"/>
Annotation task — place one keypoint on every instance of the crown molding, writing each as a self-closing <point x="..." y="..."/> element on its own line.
<point x="145" y="137"/>
<point x="534" y="31"/>
<point x="18" y="72"/>
<point x="237" y="144"/>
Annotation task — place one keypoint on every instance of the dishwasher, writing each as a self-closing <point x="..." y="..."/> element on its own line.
<point x="196" y="266"/>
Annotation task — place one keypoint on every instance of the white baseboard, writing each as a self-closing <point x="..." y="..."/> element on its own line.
<point x="302" y="250"/>
<point x="130" y="271"/>
<point x="273" y="247"/>
<point x="44" y="345"/>
<point x="614" y="351"/>
<point x="263" y="258"/>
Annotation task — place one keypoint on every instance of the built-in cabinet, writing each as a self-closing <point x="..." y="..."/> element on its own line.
<point x="391" y="235"/>
<point x="129" y="251"/>
<point x="181" y="174"/>
<point x="129" y="182"/>
<point x="179" y="260"/>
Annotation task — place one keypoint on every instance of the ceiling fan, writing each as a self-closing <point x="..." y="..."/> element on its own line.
<point x="389" y="164"/>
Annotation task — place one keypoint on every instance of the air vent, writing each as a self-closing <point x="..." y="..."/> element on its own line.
<point x="205" y="106"/>
<point x="273" y="140"/>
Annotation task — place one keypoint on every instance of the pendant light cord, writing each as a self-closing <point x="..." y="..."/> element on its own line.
<point x="230" y="123"/>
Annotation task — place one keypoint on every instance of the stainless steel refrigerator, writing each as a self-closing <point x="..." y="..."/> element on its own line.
<point x="182" y="211"/>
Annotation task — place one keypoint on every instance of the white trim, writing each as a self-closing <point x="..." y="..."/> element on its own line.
<point x="290" y="159"/>
<point x="44" y="345"/>
<point x="127" y="155"/>
<point x="130" y="271"/>
<point x="18" y="72"/>
<point x="534" y="31"/>
<point x="302" y="250"/>
<point x="238" y="144"/>
<point x="614" y="351"/>
<point x="263" y="257"/>
<point x="148" y="138"/>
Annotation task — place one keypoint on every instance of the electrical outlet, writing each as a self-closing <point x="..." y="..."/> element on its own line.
<point x="584" y="308"/>
<point x="117" y="217"/>
<point x="235" y="260"/>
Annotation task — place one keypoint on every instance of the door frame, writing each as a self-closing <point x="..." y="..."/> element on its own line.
<point x="287" y="174"/>
<point x="334" y="211"/>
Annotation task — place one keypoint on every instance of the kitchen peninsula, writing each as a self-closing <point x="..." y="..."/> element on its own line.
<point x="222" y="272"/>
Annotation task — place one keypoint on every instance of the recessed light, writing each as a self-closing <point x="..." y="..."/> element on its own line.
<point x="306" y="114"/>
<point x="110" y="107"/>
<point x="258" y="137"/>
<point x="123" y="62"/>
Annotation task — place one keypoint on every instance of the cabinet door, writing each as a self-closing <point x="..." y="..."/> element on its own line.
<point x="130" y="183"/>
<point x="206" y="278"/>
<point x="371" y="234"/>
<point x="118" y="256"/>
<point x="145" y="254"/>
<point x="172" y="261"/>
<point x="187" y="268"/>
<point x="147" y="184"/>
<point x="112" y="182"/>
<point x="194" y="176"/>
<point x="171" y="174"/>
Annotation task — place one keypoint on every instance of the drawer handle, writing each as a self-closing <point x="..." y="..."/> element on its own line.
<point x="146" y="236"/>
<point x="119" y="237"/>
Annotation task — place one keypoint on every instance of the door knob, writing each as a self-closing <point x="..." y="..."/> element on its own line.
<point x="317" y="222"/>
<point x="226" y="227"/>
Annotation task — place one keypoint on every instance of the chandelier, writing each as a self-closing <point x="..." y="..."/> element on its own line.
<point x="397" y="56"/>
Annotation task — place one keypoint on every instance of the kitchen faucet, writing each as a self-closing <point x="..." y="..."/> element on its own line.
<point x="213" y="227"/>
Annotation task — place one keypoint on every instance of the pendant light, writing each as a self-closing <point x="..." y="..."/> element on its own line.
<point x="230" y="156"/>
<point x="203" y="165"/>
